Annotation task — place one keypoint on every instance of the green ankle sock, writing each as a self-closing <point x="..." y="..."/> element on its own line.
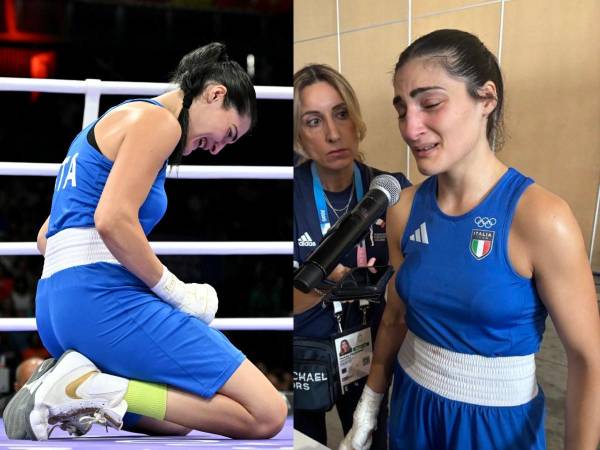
<point x="147" y="399"/>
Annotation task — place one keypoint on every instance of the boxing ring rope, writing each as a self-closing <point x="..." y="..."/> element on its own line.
<point x="231" y="324"/>
<point x="92" y="89"/>
<point x="181" y="172"/>
<point x="178" y="248"/>
<point x="117" y="87"/>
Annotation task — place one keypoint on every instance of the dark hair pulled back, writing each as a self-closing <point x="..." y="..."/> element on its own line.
<point x="464" y="56"/>
<point x="205" y="66"/>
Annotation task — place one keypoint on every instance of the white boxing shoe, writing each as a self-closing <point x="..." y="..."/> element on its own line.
<point x="54" y="396"/>
<point x="16" y="412"/>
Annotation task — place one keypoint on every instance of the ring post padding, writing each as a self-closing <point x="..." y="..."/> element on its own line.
<point x="92" y="100"/>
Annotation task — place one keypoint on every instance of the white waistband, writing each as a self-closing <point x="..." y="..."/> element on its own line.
<point x="500" y="381"/>
<point x="75" y="247"/>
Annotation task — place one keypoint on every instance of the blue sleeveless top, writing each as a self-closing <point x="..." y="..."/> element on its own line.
<point x="80" y="182"/>
<point x="460" y="290"/>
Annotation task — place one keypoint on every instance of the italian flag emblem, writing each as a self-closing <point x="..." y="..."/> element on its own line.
<point x="481" y="243"/>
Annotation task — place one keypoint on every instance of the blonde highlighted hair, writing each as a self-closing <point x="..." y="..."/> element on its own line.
<point x="315" y="73"/>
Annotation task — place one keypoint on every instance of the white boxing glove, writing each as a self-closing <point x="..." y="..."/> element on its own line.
<point x="365" y="421"/>
<point x="198" y="300"/>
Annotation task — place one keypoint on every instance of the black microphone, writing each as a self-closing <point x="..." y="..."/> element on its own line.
<point x="384" y="191"/>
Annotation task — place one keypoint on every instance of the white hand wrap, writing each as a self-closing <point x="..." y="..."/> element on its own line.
<point x="365" y="421"/>
<point x="198" y="300"/>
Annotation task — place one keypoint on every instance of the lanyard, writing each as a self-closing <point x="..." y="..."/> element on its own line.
<point x="325" y="224"/>
<point x="319" y="195"/>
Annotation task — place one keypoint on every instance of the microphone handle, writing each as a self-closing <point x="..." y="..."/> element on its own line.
<point x="336" y="244"/>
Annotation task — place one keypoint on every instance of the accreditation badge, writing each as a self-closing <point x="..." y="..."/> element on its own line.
<point x="354" y="354"/>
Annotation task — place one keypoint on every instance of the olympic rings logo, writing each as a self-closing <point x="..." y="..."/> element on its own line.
<point x="486" y="222"/>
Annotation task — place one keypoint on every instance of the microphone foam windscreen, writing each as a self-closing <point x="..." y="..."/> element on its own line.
<point x="390" y="187"/>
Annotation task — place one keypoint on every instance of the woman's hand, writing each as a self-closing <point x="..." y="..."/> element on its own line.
<point x="340" y="270"/>
<point x="364" y="421"/>
<point x="338" y="273"/>
<point x="198" y="300"/>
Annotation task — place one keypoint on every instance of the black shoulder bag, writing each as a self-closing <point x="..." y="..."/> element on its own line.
<point x="316" y="380"/>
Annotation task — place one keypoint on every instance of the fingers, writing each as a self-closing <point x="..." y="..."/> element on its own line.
<point x="358" y="438"/>
<point x="338" y="273"/>
<point x="346" y="443"/>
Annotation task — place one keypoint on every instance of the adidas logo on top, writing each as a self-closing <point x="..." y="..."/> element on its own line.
<point x="420" y="234"/>
<point x="306" y="241"/>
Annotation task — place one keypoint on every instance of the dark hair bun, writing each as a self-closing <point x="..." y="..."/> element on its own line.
<point x="212" y="53"/>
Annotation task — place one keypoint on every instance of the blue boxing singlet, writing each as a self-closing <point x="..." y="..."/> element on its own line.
<point x="460" y="289"/>
<point x="465" y="374"/>
<point x="80" y="182"/>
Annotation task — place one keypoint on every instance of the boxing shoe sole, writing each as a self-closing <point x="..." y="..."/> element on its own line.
<point x="16" y="423"/>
